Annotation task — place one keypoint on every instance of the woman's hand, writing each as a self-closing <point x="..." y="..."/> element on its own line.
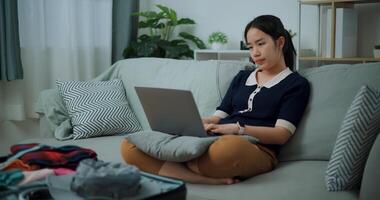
<point x="224" y="129"/>
<point x="206" y="120"/>
<point x="211" y="120"/>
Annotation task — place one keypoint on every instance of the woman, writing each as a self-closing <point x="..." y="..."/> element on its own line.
<point x="266" y="103"/>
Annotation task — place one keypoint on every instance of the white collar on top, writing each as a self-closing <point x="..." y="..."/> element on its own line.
<point x="279" y="77"/>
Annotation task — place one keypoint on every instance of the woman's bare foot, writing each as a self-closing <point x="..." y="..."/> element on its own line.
<point x="223" y="181"/>
<point x="180" y="171"/>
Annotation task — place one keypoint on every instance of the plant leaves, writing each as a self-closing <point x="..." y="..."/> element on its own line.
<point x="160" y="26"/>
<point x="177" y="42"/>
<point x="157" y="43"/>
<point x="198" y="42"/>
<point x="130" y="51"/>
<point x="168" y="13"/>
<point x="177" y="51"/>
<point x="185" y="21"/>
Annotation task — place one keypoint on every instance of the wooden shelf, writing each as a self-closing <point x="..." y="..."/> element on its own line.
<point x="329" y="2"/>
<point x="357" y="59"/>
<point x="333" y="5"/>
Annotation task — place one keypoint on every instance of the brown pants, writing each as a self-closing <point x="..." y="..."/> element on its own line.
<point x="229" y="156"/>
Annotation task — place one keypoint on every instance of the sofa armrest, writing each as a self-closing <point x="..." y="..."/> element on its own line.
<point x="54" y="119"/>
<point x="371" y="176"/>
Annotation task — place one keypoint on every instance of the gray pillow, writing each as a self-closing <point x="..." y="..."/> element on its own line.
<point x="173" y="147"/>
<point x="357" y="134"/>
<point x="97" y="108"/>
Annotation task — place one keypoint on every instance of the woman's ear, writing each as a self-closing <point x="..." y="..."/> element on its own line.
<point x="281" y="41"/>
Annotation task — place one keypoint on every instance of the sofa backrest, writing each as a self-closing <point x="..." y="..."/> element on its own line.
<point x="207" y="80"/>
<point x="332" y="90"/>
<point x="369" y="188"/>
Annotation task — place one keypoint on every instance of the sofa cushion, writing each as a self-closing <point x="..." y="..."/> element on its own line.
<point x="371" y="178"/>
<point x="355" y="139"/>
<point x="290" y="180"/>
<point x="97" y="108"/>
<point x="203" y="78"/>
<point x="173" y="147"/>
<point x="207" y="80"/>
<point x="332" y="90"/>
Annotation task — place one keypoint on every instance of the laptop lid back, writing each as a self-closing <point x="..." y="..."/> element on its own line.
<point x="171" y="111"/>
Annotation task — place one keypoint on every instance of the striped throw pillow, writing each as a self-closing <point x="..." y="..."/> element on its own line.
<point x="354" y="141"/>
<point x="97" y="108"/>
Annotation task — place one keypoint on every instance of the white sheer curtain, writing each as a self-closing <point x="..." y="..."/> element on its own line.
<point x="59" y="39"/>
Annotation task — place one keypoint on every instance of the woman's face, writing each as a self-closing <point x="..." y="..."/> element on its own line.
<point x="264" y="51"/>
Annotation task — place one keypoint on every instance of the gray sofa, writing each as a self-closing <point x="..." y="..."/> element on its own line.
<point x="303" y="160"/>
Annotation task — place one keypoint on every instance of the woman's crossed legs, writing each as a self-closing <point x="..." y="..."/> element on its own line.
<point x="228" y="158"/>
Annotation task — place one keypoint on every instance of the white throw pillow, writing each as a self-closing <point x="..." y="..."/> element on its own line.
<point x="97" y="108"/>
<point x="357" y="134"/>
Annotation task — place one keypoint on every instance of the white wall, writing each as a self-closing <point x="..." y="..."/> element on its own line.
<point x="228" y="16"/>
<point x="231" y="17"/>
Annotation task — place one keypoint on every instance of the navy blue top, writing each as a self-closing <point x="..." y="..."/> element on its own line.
<point x="285" y="100"/>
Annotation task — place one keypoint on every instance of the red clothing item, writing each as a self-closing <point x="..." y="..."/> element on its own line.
<point x="19" y="164"/>
<point x="63" y="171"/>
<point x="67" y="156"/>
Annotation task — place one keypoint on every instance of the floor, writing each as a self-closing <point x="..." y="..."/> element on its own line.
<point x="12" y="132"/>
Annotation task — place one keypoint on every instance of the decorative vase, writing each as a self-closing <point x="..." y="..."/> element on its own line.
<point x="376" y="53"/>
<point x="217" y="46"/>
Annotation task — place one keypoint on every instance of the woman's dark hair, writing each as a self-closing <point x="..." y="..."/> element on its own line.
<point x="273" y="26"/>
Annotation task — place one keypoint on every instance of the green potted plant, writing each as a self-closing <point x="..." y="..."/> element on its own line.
<point x="217" y="40"/>
<point x="291" y="33"/>
<point x="376" y="51"/>
<point x="159" y="42"/>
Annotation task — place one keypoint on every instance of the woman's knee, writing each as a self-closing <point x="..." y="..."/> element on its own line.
<point x="232" y="156"/>
<point x="228" y="148"/>
<point x="224" y="157"/>
<point x="128" y="151"/>
<point x="132" y="155"/>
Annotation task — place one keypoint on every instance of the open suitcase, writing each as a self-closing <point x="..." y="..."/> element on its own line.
<point x="153" y="187"/>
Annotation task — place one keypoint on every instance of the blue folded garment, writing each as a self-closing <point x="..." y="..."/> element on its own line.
<point x="104" y="179"/>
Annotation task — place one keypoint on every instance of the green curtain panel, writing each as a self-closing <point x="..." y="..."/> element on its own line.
<point x="124" y="26"/>
<point x="10" y="61"/>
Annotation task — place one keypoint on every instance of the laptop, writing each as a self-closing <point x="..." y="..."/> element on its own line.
<point x="171" y="111"/>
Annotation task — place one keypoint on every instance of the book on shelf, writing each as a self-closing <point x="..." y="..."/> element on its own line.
<point x="346" y="28"/>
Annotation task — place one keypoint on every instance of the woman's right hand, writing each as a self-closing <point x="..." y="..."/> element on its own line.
<point x="206" y="120"/>
<point x="209" y="122"/>
<point x="206" y="123"/>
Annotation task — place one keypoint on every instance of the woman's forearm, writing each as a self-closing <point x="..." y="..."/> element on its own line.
<point x="268" y="135"/>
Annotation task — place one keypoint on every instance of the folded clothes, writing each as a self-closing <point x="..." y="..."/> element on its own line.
<point x="7" y="160"/>
<point x="44" y="156"/>
<point x="63" y="171"/>
<point x="150" y="187"/>
<point x="10" y="178"/>
<point x="105" y="180"/>
<point x="32" y="176"/>
<point x="18" y="164"/>
<point x="17" y="177"/>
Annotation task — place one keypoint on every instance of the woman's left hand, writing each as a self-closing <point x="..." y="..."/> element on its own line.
<point x="224" y="129"/>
